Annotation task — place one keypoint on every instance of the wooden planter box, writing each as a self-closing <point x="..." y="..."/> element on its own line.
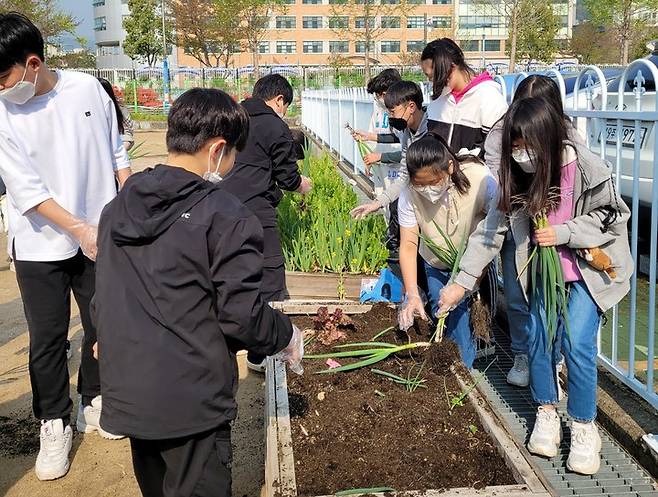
<point x="280" y="460"/>
<point x="323" y="286"/>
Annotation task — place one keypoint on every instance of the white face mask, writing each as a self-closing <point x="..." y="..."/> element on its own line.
<point x="214" y="176"/>
<point x="21" y="92"/>
<point x="526" y="159"/>
<point x="432" y="193"/>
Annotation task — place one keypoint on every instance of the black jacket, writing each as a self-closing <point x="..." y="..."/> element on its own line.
<point x="178" y="278"/>
<point x="268" y="163"/>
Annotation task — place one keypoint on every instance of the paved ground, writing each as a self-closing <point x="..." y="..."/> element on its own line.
<point x="100" y="467"/>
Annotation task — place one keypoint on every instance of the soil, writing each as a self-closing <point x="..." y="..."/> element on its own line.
<point x="368" y="431"/>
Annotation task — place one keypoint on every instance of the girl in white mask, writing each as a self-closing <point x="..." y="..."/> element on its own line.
<point x="451" y="192"/>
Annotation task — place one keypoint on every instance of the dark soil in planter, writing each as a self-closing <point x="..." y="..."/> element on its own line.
<point x="368" y="431"/>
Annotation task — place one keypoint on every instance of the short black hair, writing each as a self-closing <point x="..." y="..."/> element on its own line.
<point x="201" y="114"/>
<point x="19" y="38"/>
<point x="403" y="92"/>
<point x="301" y="142"/>
<point x="385" y="79"/>
<point x="271" y="86"/>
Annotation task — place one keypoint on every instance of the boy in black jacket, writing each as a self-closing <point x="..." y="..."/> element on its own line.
<point x="266" y="166"/>
<point x="178" y="292"/>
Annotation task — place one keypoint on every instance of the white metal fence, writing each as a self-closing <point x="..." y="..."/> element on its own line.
<point x="617" y="112"/>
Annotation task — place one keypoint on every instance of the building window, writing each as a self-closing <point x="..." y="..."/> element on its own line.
<point x="390" y="46"/>
<point x="113" y="49"/>
<point x="390" y="22"/>
<point x="339" y="22"/>
<point x="415" y="46"/>
<point x="98" y="3"/>
<point x="312" y="22"/>
<point x="313" y="47"/>
<point x="286" y="47"/>
<point x="477" y="22"/>
<point x="360" y="22"/>
<point x="442" y="2"/>
<point x="492" y="45"/>
<point x="337" y="2"/>
<point x="441" y="22"/>
<point x="286" y="22"/>
<point x="390" y="2"/>
<point x="339" y="47"/>
<point x="100" y="24"/>
<point x="264" y="47"/>
<point x="360" y="47"/>
<point x="470" y="45"/>
<point x="363" y="2"/>
<point x="415" y="22"/>
<point x="416" y="2"/>
<point x="312" y="2"/>
<point x="287" y="2"/>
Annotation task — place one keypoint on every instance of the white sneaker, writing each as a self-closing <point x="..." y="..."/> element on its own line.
<point x="547" y="433"/>
<point x="89" y="419"/>
<point x="258" y="367"/>
<point x="54" y="448"/>
<point x="519" y="375"/>
<point x="584" y="454"/>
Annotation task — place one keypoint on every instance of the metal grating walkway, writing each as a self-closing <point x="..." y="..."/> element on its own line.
<point x="619" y="476"/>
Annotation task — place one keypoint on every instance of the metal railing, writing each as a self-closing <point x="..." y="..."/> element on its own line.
<point x="617" y="113"/>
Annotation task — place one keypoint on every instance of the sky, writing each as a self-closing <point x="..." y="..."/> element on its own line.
<point x="84" y="13"/>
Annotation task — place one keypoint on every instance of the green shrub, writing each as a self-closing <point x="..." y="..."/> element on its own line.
<point x="319" y="235"/>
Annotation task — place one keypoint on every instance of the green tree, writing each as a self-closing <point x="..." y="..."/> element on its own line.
<point x="536" y="36"/>
<point x="624" y="18"/>
<point x="46" y="14"/>
<point x="75" y="60"/>
<point x="592" y="44"/>
<point x="144" y="35"/>
<point x="207" y="30"/>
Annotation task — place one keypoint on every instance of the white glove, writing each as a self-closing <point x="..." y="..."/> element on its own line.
<point x="294" y="352"/>
<point x="86" y="235"/>
<point x="412" y="306"/>
<point x="305" y="186"/>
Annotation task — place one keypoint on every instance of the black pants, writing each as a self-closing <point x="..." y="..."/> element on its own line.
<point x="46" y="292"/>
<point x="194" y="466"/>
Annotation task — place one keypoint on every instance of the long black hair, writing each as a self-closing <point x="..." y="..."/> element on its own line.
<point x="107" y="86"/>
<point x="444" y="54"/>
<point x="433" y="151"/>
<point x="543" y="130"/>
<point x="539" y="86"/>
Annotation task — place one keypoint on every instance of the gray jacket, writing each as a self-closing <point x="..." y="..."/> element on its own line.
<point x="600" y="219"/>
<point x="406" y="138"/>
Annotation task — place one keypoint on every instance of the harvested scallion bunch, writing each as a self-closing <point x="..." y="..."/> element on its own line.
<point x="369" y="352"/>
<point x="364" y="148"/>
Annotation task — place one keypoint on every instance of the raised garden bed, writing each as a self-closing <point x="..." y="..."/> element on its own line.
<point x="328" y="433"/>
<point x="324" y="285"/>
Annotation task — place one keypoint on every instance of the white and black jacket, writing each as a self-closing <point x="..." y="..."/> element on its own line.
<point x="465" y="122"/>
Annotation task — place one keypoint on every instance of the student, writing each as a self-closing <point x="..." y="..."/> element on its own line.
<point x="60" y="151"/>
<point x="266" y="166"/>
<point x="385" y="159"/>
<point x="453" y="193"/>
<point x="123" y="116"/>
<point x="182" y="261"/>
<point x="404" y="101"/>
<point x="464" y="106"/>
<point x="537" y="157"/>
<point x="518" y="313"/>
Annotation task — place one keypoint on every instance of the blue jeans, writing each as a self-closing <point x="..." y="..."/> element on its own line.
<point x="458" y="326"/>
<point x="579" y="349"/>
<point x="518" y="311"/>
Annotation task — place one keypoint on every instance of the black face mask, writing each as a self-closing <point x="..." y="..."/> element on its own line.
<point x="397" y="123"/>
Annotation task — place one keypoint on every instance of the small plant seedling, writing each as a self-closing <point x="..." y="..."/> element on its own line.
<point x="458" y="400"/>
<point x="410" y="384"/>
<point x="472" y="429"/>
<point x="377" y="392"/>
<point x="358" y="491"/>
<point x="382" y="333"/>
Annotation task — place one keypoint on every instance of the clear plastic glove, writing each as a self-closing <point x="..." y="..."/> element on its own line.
<point x="412" y="306"/>
<point x="294" y="352"/>
<point x="363" y="210"/>
<point x="86" y="235"/>
<point x="450" y="297"/>
<point x="305" y="186"/>
<point x="364" y="136"/>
